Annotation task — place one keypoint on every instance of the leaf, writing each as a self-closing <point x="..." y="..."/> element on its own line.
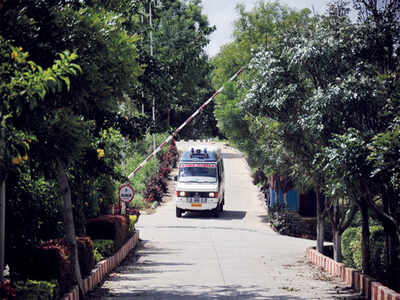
<point x="67" y="82"/>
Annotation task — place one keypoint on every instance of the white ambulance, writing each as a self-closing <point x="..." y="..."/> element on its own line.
<point x="200" y="181"/>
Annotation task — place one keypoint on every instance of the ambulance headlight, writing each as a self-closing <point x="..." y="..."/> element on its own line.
<point x="212" y="195"/>
<point x="181" y="194"/>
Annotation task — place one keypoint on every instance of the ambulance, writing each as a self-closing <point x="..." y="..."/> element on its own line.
<point x="200" y="181"/>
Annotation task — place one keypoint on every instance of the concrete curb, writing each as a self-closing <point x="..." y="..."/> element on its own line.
<point x="366" y="285"/>
<point x="102" y="269"/>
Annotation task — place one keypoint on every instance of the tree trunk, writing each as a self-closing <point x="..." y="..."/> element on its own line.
<point x="340" y="217"/>
<point x="69" y="226"/>
<point x="2" y="225"/>
<point x="320" y="222"/>
<point x="337" y="245"/>
<point x="394" y="277"/>
<point x="334" y="216"/>
<point x="392" y="241"/>
<point x="284" y="196"/>
<point x="365" y="249"/>
<point x="392" y="256"/>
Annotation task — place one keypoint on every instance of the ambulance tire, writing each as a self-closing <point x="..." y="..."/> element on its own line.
<point x="215" y="211"/>
<point x="178" y="212"/>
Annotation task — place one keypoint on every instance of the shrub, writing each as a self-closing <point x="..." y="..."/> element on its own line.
<point x="105" y="248"/>
<point x="33" y="290"/>
<point x="154" y="190"/>
<point x="48" y="261"/>
<point x="351" y="248"/>
<point x="259" y="177"/>
<point x="349" y="235"/>
<point x="85" y="254"/>
<point x="6" y="290"/>
<point x="109" y="227"/>
<point x="97" y="256"/>
<point x="132" y="221"/>
<point x="173" y="154"/>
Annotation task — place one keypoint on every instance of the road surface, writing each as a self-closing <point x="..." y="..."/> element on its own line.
<point x="235" y="256"/>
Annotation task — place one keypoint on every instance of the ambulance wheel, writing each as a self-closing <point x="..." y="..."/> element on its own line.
<point x="178" y="212"/>
<point x="215" y="211"/>
<point x="221" y="207"/>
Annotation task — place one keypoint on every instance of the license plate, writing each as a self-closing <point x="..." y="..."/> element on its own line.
<point x="196" y="204"/>
<point x="197" y="200"/>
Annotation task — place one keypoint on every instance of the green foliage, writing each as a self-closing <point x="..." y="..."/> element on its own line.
<point x="319" y="102"/>
<point x="351" y="244"/>
<point x="34" y="211"/>
<point x="256" y="135"/>
<point x="76" y="111"/>
<point x="177" y="72"/>
<point x="97" y="256"/>
<point x="32" y="290"/>
<point x="132" y="221"/>
<point x="105" y="248"/>
<point x="349" y="235"/>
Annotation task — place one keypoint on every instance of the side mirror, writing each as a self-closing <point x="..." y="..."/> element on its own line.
<point x="176" y="178"/>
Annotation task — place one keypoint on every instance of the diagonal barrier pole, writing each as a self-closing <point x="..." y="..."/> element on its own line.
<point x="168" y="139"/>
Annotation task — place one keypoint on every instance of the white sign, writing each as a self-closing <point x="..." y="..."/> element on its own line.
<point x="126" y="193"/>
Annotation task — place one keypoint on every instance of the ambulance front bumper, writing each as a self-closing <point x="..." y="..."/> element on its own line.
<point x="187" y="203"/>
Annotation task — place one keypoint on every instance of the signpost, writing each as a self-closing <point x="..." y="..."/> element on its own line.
<point x="126" y="193"/>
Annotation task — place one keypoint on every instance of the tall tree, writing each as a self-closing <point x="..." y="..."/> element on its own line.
<point x="64" y="124"/>
<point x="23" y="88"/>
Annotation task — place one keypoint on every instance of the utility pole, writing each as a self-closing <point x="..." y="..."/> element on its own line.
<point x="151" y="55"/>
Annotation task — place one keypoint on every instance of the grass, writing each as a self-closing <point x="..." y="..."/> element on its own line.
<point x="140" y="179"/>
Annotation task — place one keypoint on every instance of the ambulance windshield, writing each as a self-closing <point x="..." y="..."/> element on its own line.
<point x="198" y="172"/>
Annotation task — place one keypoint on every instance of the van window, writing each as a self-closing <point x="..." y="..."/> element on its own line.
<point x="197" y="172"/>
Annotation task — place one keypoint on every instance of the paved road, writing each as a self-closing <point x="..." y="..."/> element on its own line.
<point x="235" y="256"/>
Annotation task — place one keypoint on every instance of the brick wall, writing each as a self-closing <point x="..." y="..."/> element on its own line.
<point x="102" y="269"/>
<point x="367" y="286"/>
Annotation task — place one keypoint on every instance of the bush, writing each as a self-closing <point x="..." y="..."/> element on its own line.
<point x="349" y="235"/>
<point x="48" y="261"/>
<point x="105" y="248"/>
<point x="6" y="290"/>
<point x="351" y="248"/>
<point x="85" y="254"/>
<point x="33" y="290"/>
<point x="109" y="227"/>
<point x="132" y="221"/>
<point x="97" y="256"/>
<point x="259" y="177"/>
<point x="173" y="155"/>
<point x="154" y="190"/>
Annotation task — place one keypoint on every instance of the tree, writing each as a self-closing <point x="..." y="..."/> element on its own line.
<point x="23" y="88"/>
<point x="65" y="124"/>
<point x="177" y="68"/>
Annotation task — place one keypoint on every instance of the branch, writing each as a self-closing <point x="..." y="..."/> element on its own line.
<point x="346" y="224"/>
<point x="331" y="216"/>
<point x="382" y="216"/>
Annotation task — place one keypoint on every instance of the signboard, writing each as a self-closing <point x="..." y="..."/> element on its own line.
<point x="126" y="193"/>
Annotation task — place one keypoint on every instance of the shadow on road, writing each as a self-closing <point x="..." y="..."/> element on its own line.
<point x="226" y="215"/>
<point x="191" y="292"/>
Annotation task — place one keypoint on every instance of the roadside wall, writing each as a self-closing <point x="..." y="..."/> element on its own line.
<point x="366" y="285"/>
<point x="102" y="269"/>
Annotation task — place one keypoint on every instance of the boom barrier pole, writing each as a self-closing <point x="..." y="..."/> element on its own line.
<point x="168" y="139"/>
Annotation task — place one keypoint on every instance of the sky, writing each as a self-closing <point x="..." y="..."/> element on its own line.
<point x="222" y="14"/>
